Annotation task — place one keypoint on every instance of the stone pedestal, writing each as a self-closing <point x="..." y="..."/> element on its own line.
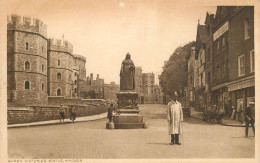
<point x="110" y="125"/>
<point x="127" y="114"/>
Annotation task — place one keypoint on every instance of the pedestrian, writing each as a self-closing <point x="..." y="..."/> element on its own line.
<point x="240" y="113"/>
<point x="249" y="118"/>
<point x="62" y="114"/>
<point x="110" y="112"/>
<point x="175" y="117"/>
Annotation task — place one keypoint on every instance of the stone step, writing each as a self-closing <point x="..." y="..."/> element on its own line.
<point x="130" y="111"/>
<point x="128" y="118"/>
<point x="128" y="125"/>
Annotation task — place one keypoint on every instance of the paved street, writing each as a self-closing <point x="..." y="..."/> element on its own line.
<point x="91" y="140"/>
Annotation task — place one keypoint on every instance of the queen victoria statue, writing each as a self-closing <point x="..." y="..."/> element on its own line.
<point x="127" y="111"/>
<point x="127" y="74"/>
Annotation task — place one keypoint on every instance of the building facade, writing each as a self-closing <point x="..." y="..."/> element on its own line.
<point x="192" y="70"/>
<point x="139" y="84"/>
<point x="229" y="58"/>
<point x="241" y="84"/>
<point x="27" y="61"/>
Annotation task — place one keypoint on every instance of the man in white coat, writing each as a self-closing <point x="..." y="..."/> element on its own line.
<point x="175" y="117"/>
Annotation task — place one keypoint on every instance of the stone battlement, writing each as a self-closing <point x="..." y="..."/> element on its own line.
<point x="15" y="22"/>
<point x="80" y="57"/>
<point x="60" y="45"/>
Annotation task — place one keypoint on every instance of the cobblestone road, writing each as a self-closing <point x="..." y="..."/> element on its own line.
<point x="91" y="140"/>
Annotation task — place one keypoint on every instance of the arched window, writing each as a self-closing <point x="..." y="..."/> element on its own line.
<point x="58" y="62"/>
<point x="27" y="45"/>
<point x="27" y="65"/>
<point x="42" y="86"/>
<point x="75" y="82"/>
<point x="27" y="84"/>
<point x="59" y="76"/>
<point x="58" y="92"/>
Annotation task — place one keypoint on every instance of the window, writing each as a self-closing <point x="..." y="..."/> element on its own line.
<point x="191" y="80"/>
<point x="58" y="62"/>
<point x="27" y="45"/>
<point x="75" y="82"/>
<point x="75" y="74"/>
<point x="27" y="65"/>
<point x="247" y="28"/>
<point x="241" y="65"/>
<point x="59" y="76"/>
<point x="252" y="61"/>
<point x="42" y="68"/>
<point x="208" y="77"/>
<point x="42" y="49"/>
<point x="75" y="90"/>
<point x="58" y="92"/>
<point x="27" y="85"/>
<point x="42" y="87"/>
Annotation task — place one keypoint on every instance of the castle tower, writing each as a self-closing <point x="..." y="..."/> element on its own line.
<point x="26" y="61"/>
<point x="79" y="71"/>
<point x="148" y="87"/>
<point x="60" y="68"/>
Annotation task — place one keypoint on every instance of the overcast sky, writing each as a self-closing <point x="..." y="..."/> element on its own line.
<point x="103" y="31"/>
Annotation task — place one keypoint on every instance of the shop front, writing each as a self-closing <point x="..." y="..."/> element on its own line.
<point x="241" y="92"/>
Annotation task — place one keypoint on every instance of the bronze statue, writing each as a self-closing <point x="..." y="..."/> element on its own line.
<point x="127" y="74"/>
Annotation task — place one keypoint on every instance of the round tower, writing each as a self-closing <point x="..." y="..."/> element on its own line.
<point x="60" y="68"/>
<point x="26" y="61"/>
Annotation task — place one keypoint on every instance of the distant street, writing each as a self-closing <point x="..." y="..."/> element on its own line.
<point x="87" y="140"/>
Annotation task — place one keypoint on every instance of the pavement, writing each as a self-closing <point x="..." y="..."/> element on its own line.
<point x="57" y="122"/>
<point x="91" y="140"/>
<point x="225" y="122"/>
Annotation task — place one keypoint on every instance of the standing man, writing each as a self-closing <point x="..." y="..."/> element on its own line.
<point x="175" y="117"/>
<point x="110" y="112"/>
<point x="249" y="118"/>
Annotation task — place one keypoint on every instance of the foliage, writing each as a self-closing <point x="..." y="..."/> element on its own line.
<point x="175" y="70"/>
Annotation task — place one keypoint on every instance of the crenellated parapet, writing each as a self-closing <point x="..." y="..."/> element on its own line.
<point x="80" y="57"/>
<point x="26" y="24"/>
<point x="60" y="45"/>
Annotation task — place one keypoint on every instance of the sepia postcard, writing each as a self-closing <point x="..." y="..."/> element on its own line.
<point x="129" y="80"/>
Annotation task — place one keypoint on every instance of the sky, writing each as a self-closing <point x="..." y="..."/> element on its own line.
<point x="104" y="31"/>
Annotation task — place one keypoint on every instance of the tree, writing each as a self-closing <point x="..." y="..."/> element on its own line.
<point x="175" y="70"/>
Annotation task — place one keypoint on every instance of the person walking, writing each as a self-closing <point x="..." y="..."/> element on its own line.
<point x="249" y="118"/>
<point x="175" y="117"/>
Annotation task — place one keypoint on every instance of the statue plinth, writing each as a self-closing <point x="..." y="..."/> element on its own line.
<point x="127" y="115"/>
